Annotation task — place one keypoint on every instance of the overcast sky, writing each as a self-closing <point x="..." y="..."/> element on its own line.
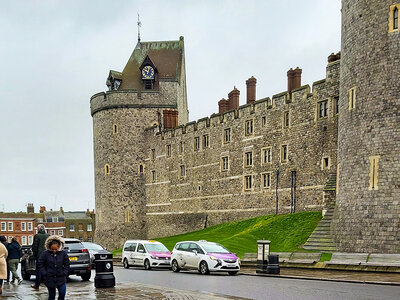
<point x="54" y="55"/>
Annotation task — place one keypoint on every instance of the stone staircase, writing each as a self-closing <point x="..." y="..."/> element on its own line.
<point x="321" y="239"/>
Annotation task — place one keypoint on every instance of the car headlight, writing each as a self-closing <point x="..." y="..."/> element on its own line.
<point x="212" y="257"/>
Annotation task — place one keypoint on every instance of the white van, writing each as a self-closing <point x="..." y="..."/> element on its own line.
<point x="147" y="254"/>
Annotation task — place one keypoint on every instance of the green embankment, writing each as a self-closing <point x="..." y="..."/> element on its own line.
<point x="286" y="233"/>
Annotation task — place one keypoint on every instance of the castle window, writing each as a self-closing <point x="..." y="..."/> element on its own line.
<point x="266" y="180"/>
<point x="325" y="163"/>
<point x="168" y="151"/>
<point x="248" y="182"/>
<point x="153" y="154"/>
<point x="227" y="135"/>
<point x="264" y="121"/>
<point x="337" y="105"/>
<point x="140" y="169"/>
<point x="127" y="216"/>
<point x="80" y="227"/>
<point x="183" y="171"/>
<point x="153" y="175"/>
<point x="181" y="147"/>
<point x="107" y="169"/>
<point x="352" y="98"/>
<point x="373" y="172"/>
<point x="394" y="17"/>
<point x="89" y="227"/>
<point x="71" y="227"/>
<point x="206" y="141"/>
<point x="284" y="153"/>
<point x="115" y="128"/>
<point x="196" y="143"/>
<point x="323" y="109"/>
<point x="224" y="163"/>
<point x="248" y="159"/>
<point x="286" y="119"/>
<point x="248" y="127"/>
<point x="148" y="84"/>
<point x="266" y="155"/>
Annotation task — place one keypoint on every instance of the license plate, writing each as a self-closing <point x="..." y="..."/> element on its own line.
<point x="73" y="258"/>
<point x="230" y="265"/>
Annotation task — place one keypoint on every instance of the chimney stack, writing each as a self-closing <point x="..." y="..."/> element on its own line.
<point x="233" y="99"/>
<point x="251" y="89"/>
<point x="222" y="105"/>
<point x="42" y="209"/>
<point x="294" y="79"/>
<point x="30" y="209"/>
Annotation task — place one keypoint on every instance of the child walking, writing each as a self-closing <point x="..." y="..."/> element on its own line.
<point x="53" y="265"/>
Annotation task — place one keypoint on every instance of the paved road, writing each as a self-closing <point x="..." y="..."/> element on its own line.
<point x="255" y="287"/>
<point x="136" y="283"/>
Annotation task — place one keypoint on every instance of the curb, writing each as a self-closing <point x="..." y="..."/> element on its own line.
<point x="321" y="279"/>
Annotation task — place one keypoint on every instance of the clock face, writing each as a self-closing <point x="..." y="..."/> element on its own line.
<point x="148" y="72"/>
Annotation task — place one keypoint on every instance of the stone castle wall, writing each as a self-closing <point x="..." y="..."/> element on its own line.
<point x="205" y="195"/>
<point x="368" y="219"/>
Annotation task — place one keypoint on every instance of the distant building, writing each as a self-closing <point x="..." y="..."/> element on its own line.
<point x="21" y="225"/>
<point x="54" y="221"/>
<point x="80" y="225"/>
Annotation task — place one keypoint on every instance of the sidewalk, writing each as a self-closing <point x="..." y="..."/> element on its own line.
<point x="332" y="275"/>
<point x="86" y="290"/>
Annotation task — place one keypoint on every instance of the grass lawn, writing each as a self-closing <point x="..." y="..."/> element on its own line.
<point x="286" y="233"/>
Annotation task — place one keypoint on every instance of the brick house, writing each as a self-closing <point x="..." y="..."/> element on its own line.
<point x="80" y="225"/>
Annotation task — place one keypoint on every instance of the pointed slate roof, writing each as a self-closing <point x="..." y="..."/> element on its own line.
<point x="167" y="57"/>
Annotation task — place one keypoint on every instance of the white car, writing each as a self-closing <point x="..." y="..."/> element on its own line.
<point x="205" y="257"/>
<point x="147" y="254"/>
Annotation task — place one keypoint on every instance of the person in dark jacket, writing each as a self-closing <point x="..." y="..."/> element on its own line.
<point x="37" y="249"/>
<point x="14" y="254"/>
<point x="3" y="240"/>
<point x="53" y="266"/>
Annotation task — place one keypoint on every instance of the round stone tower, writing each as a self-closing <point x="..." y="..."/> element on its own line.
<point x="367" y="216"/>
<point x="151" y="85"/>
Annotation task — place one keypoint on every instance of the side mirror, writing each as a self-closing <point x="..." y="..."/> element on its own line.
<point x="195" y="252"/>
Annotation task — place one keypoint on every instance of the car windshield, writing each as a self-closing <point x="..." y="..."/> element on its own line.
<point x="215" y="248"/>
<point x="156" y="248"/>
<point x="93" y="246"/>
<point x="74" y="245"/>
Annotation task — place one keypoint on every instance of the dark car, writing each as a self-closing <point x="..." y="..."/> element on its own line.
<point x="93" y="249"/>
<point x="79" y="259"/>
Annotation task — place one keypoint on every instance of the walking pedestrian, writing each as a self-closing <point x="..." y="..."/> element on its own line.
<point x="54" y="266"/>
<point x="37" y="248"/>
<point x="3" y="240"/>
<point x="14" y="254"/>
<point x="3" y="265"/>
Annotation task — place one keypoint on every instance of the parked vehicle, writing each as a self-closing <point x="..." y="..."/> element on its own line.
<point x="93" y="249"/>
<point x="78" y="256"/>
<point x="148" y="254"/>
<point x="205" y="257"/>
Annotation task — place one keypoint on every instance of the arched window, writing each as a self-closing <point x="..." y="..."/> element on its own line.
<point x="107" y="169"/>
<point x="396" y="18"/>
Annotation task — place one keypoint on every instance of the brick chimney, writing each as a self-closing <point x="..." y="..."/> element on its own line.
<point x="222" y="105"/>
<point x="30" y="209"/>
<point x="42" y="209"/>
<point x="251" y="89"/>
<point x="294" y="79"/>
<point x="170" y="118"/>
<point x="233" y="99"/>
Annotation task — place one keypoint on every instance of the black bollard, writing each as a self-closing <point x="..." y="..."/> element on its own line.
<point x="104" y="270"/>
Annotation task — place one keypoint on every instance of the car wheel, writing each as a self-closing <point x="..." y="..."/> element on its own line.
<point x="126" y="265"/>
<point x="25" y="276"/>
<point x="147" y="265"/>
<point x="204" y="268"/>
<point x="86" y="276"/>
<point x="232" y="273"/>
<point x="174" y="266"/>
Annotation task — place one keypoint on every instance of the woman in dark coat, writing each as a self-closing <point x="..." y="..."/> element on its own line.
<point x="53" y="265"/>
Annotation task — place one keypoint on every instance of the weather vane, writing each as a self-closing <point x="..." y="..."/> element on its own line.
<point x="139" y="24"/>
